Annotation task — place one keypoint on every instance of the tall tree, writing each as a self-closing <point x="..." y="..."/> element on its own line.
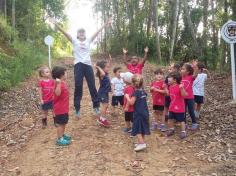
<point x="205" y="29"/>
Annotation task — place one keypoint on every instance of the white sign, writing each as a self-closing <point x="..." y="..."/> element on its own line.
<point x="49" y="40"/>
<point x="228" y="33"/>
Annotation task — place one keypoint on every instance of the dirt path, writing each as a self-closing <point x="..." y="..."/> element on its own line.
<point x="98" y="151"/>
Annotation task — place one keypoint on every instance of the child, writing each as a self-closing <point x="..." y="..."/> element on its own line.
<point x="141" y="114"/>
<point x="158" y="98"/>
<point x="61" y="105"/>
<point x="46" y="87"/>
<point x="172" y="68"/>
<point x="128" y="109"/>
<point x="104" y="89"/>
<point x="198" y="86"/>
<point x="187" y="81"/>
<point x="177" y="105"/>
<point x="117" y="89"/>
<point x="135" y="66"/>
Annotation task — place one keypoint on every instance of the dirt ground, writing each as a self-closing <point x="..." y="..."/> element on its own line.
<point x="28" y="150"/>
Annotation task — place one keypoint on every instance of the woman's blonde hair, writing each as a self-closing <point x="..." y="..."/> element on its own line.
<point x="137" y="81"/>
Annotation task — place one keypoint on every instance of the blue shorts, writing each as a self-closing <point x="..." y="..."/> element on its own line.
<point x="179" y="117"/>
<point x="116" y="100"/>
<point x="103" y="97"/>
<point x="167" y="101"/>
<point x="47" y="106"/>
<point x="199" y="99"/>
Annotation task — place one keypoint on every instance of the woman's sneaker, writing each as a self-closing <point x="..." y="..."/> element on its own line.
<point x="67" y="137"/>
<point x="103" y="121"/>
<point x="163" y="128"/>
<point x="77" y="114"/>
<point x="194" y="126"/>
<point x="127" y="130"/>
<point x="154" y="126"/>
<point x="140" y="147"/>
<point x="62" y="142"/>
<point x="183" y="134"/>
<point x="96" y="111"/>
<point x="170" y="132"/>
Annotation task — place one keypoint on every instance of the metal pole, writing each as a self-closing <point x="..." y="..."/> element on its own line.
<point x="49" y="57"/>
<point x="233" y="71"/>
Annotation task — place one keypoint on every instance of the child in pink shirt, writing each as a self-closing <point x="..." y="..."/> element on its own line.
<point x="135" y="65"/>
<point x="187" y="81"/>
<point x="158" y="99"/>
<point x="177" y="105"/>
<point x="46" y="87"/>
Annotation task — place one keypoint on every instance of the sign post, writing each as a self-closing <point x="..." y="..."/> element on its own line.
<point x="228" y="33"/>
<point x="49" y="41"/>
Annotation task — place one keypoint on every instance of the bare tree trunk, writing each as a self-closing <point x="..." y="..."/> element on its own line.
<point x="149" y="20"/>
<point x="204" y="36"/>
<point x="5" y="9"/>
<point x="214" y="52"/>
<point x="191" y="27"/>
<point x="13" y="18"/>
<point x="155" y="18"/>
<point x="173" y="35"/>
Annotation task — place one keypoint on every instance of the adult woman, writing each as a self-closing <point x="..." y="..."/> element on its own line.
<point x="83" y="66"/>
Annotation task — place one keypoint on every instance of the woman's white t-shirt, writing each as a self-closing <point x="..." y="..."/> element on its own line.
<point x="118" y="86"/>
<point x="199" y="83"/>
<point x="81" y="51"/>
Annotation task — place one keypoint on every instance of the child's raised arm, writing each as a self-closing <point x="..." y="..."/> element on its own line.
<point x="131" y="100"/>
<point x="125" y="51"/>
<point x="102" y="73"/>
<point x="146" y="49"/>
<point x="58" y="87"/>
<point x="207" y="72"/>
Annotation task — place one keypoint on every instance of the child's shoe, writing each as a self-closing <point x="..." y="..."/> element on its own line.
<point x="67" y="137"/>
<point x="44" y="123"/>
<point x="96" y="111"/>
<point x="140" y="147"/>
<point x="77" y="114"/>
<point x="103" y="121"/>
<point x="62" y="142"/>
<point x="170" y="132"/>
<point x="194" y="126"/>
<point x="154" y="126"/>
<point x="163" y="128"/>
<point x="183" y="134"/>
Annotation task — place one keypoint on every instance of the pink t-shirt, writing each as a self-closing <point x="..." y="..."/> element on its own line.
<point x="177" y="104"/>
<point x="128" y="90"/>
<point x="157" y="97"/>
<point x="135" y="69"/>
<point x="47" y="88"/>
<point x="61" y="103"/>
<point x="187" y="82"/>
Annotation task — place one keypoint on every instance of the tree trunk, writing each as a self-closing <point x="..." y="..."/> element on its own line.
<point x="149" y="20"/>
<point x="214" y="51"/>
<point x="155" y="21"/>
<point x="192" y="30"/>
<point x="13" y="19"/>
<point x="173" y="35"/>
<point x="204" y="36"/>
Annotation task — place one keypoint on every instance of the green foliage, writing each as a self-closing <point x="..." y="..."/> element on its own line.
<point x="5" y="30"/>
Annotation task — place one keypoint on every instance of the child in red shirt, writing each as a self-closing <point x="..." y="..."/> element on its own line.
<point x="135" y="66"/>
<point x="61" y="105"/>
<point x="158" y="98"/>
<point x="129" y="109"/>
<point x="177" y="106"/>
<point x="46" y="87"/>
<point x="187" y="81"/>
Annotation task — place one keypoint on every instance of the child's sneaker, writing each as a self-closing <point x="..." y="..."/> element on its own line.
<point x="194" y="126"/>
<point x="154" y="126"/>
<point x="183" y="134"/>
<point x="67" y="137"/>
<point x="44" y="123"/>
<point x="62" y="142"/>
<point x="163" y="128"/>
<point x="140" y="147"/>
<point x="170" y="132"/>
<point x="96" y="111"/>
<point x="77" y="114"/>
<point x="103" y="122"/>
<point x="126" y="130"/>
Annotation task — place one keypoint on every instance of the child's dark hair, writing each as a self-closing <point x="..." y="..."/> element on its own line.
<point x="189" y="68"/>
<point x="58" y="72"/>
<point x="176" y="76"/>
<point x="177" y="67"/>
<point x="137" y="81"/>
<point x="41" y="70"/>
<point x="200" y="66"/>
<point x="159" y="71"/>
<point x="102" y="64"/>
<point x="116" y="69"/>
